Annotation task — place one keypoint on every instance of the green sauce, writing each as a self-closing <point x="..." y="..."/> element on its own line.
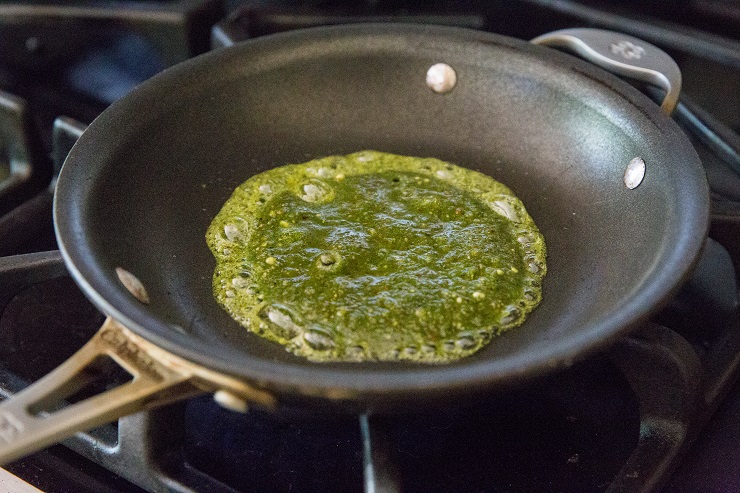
<point x="374" y="256"/>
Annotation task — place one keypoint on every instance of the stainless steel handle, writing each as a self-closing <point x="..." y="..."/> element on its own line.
<point x="28" y="421"/>
<point x="622" y="55"/>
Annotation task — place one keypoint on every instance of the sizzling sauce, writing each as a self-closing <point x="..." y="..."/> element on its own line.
<point x="374" y="256"/>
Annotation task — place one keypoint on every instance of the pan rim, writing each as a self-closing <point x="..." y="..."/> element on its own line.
<point x="369" y="385"/>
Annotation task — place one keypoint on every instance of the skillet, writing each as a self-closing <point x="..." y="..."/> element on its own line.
<point x="140" y="187"/>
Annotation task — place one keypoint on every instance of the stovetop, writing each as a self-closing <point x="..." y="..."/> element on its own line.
<point x="659" y="409"/>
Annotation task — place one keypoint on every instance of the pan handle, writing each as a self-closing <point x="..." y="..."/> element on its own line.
<point x="32" y="420"/>
<point x="622" y="55"/>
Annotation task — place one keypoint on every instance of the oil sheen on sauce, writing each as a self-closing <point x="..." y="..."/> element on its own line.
<point x="374" y="256"/>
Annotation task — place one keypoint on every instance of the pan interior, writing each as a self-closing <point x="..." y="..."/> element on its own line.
<point x="144" y="182"/>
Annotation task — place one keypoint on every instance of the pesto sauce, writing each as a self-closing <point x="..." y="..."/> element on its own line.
<point x="374" y="256"/>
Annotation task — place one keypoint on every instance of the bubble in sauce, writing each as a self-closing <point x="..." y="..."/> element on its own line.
<point x="316" y="191"/>
<point x="279" y="321"/>
<point x="319" y="339"/>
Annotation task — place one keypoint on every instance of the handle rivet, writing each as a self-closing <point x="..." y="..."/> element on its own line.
<point x="634" y="173"/>
<point x="441" y="78"/>
<point x="133" y="285"/>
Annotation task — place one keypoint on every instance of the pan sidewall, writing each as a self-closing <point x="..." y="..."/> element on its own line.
<point x="92" y="184"/>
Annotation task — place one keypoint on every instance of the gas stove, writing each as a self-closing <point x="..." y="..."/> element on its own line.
<point x="658" y="411"/>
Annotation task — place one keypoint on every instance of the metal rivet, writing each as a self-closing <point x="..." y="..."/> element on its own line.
<point x="132" y="283"/>
<point x="635" y="173"/>
<point x="441" y="78"/>
<point x="231" y="401"/>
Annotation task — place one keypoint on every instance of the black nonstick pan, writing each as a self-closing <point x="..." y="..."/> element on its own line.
<point x="144" y="181"/>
